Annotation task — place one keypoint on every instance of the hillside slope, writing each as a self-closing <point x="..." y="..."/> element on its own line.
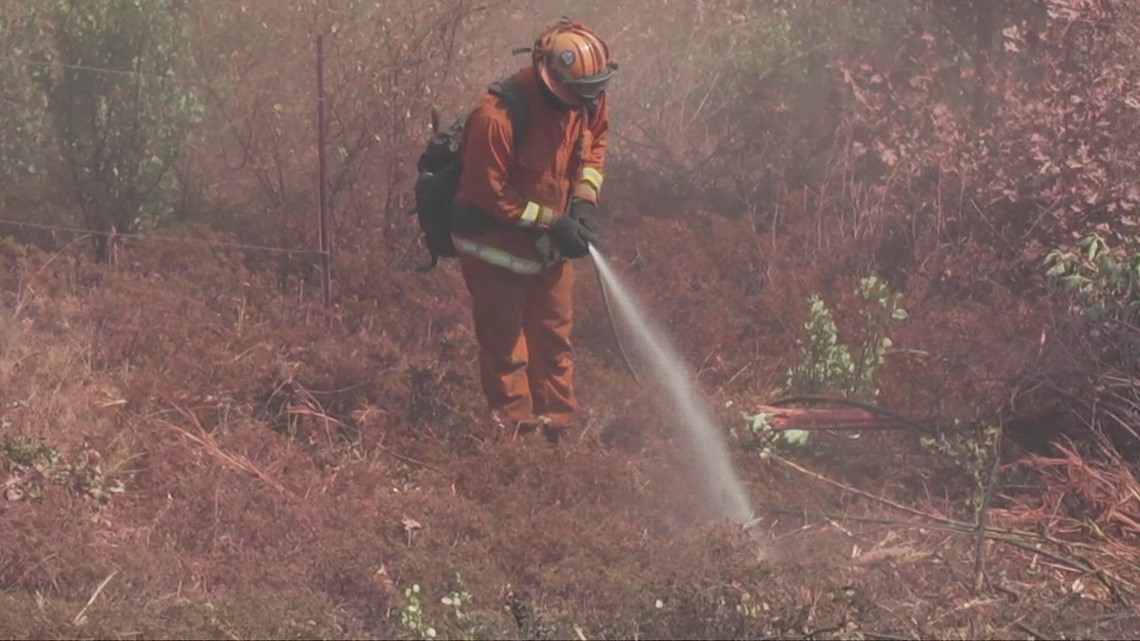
<point x="188" y="451"/>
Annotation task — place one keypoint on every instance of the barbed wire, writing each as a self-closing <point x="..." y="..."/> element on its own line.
<point x="162" y="237"/>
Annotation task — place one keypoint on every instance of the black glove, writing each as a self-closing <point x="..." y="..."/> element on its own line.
<point x="571" y="237"/>
<point x="586" y="213"/>
<point x="545" y="250"/>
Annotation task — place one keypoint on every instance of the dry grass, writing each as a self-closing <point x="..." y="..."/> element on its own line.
<point x="1096" y="493"/>
<point x="198" y="435"/>
<point x="272" y="469"/>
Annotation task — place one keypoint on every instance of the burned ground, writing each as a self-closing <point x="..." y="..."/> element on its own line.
<point x="192" y="447"/>
<point x="188" y="453"/>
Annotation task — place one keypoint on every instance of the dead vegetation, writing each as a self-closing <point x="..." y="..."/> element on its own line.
<point x="279" y="479"/>
<point x="191" y="447"/>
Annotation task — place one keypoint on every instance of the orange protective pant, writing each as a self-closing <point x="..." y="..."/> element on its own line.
<point x="522" y="324"/>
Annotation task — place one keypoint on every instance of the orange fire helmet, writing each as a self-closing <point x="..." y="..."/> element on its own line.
<point x="573" y="61"/>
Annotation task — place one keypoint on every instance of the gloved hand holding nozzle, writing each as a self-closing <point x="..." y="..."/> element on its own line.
<point x="577" y="230"/>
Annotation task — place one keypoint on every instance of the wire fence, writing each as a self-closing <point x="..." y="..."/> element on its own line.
<point x="141" y="236"/>
<point x="373" y="69"/>
<point x="185" y="82"/>
<point x="292" y="88"/>
<point x="161" y="238"/>
<point x="323" y="253"/>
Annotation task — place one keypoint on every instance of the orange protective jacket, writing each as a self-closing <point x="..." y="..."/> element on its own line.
<point x="527" y="189"/>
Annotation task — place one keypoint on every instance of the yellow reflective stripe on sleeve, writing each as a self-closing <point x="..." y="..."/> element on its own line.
<point x="545" y="216"/>
<point x="535" y="214"/>
<point x="529" y="215"/>
<point x="594" y="177"/>
<point x="496" y="257"/>
<point x="587" y="191"/>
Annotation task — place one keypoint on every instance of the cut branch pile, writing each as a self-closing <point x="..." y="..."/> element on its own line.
<point x="1085" y="495"/>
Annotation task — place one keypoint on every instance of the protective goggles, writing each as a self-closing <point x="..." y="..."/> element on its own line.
<point x="591" y="87"/>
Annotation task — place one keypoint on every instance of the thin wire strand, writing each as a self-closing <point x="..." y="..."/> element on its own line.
<point x="106" y="70"/>
<point x="177" y="239"/>
<point x="297" y="95"/>
<point x="179" y="80"/>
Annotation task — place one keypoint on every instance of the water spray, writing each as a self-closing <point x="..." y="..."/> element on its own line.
<point x="595" y="254"/>
<point x="670" y="373"/>
<point x="750" y="525"/>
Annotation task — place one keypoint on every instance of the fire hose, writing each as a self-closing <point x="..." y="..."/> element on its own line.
<point x="613" y="326"/>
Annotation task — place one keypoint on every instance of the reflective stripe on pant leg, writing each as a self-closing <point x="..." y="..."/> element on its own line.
<point x="497" y="257"/>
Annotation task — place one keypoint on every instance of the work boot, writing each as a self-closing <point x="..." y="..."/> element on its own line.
<point x="524" y="427"/>
<point x="553" y="433"/>
<point x="501" y="427"/>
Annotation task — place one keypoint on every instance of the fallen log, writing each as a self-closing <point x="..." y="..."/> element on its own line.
<point x="854" y="415"/>
<point x="846" y="418"/>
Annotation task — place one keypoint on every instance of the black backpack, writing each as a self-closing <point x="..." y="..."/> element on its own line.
<point x="440" y="165"/>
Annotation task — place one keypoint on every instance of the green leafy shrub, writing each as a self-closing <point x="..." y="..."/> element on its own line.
<point x="28" y="467"/>
<point x="1106" y="285"/>
<point x="459" y="616"/>
<point x="825" y="363"/>
<point x="828" y="365"/>
<point x="412" y="615"/>
<point x="113" y="74"/>
<point x="1104" y="313"/>
<point x="766" y="440"/>
<point x="972" y="451"/>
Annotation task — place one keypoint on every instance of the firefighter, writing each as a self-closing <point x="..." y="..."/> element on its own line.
<point x="522" y="214"/>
